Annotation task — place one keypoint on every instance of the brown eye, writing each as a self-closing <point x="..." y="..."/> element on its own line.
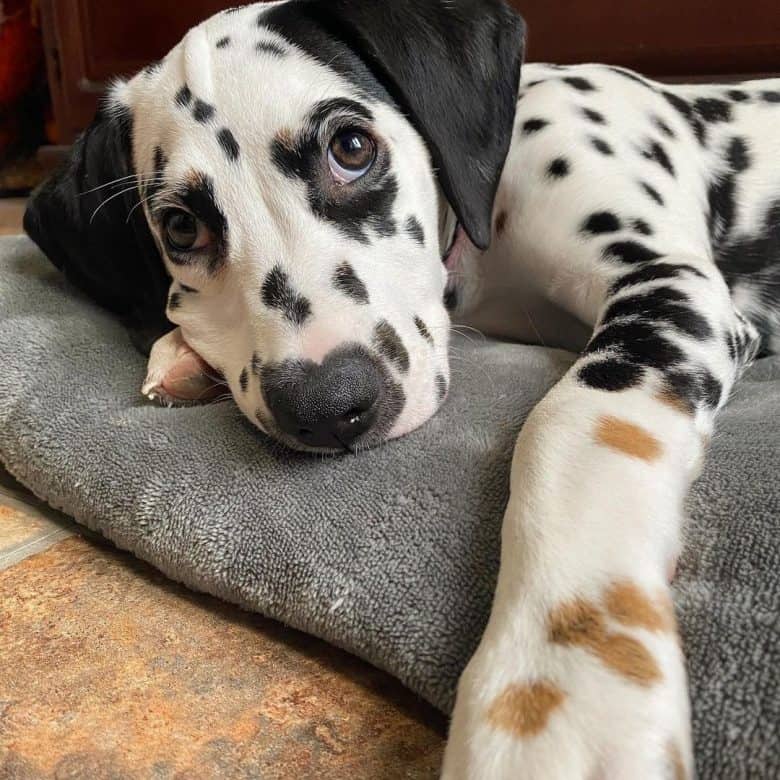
<point x="183" y="232"/>
<point x="350" y="155"/>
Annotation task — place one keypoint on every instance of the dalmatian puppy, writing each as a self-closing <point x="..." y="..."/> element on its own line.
<point x="304" y="188"/>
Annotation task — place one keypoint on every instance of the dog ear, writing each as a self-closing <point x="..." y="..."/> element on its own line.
<point x="84" y="219"/>
<point x="454" y="68"/>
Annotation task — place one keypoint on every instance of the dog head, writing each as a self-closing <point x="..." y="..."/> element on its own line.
<point x="284" y="185"/>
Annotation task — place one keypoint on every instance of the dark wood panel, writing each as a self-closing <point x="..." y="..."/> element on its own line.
<point x="658" y="37"/>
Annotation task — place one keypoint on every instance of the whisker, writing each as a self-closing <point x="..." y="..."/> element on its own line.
<point x="108" y="200"/>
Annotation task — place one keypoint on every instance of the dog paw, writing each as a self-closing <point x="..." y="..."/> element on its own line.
<point x="596" y="693"/>
<point x="178" y="376"/>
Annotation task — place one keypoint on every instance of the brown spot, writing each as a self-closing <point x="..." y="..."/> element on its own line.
<point x="582" y="624"/>
<point x="627" y="604"/>
<point x="675" y="761"/>
<point x="524" y="710"/>
<point x="630" y="439"/>
<point x="673" y="401"/>
<point x="501" y="223"/>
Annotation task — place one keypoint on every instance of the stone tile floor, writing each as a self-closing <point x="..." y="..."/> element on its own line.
<point x="109" y="670"/>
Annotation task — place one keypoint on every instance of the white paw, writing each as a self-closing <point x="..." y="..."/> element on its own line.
<point x="591" y="690"/>
<point x="177" y="375"/>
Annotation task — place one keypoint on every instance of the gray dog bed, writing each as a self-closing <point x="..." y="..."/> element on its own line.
<point x="393" y="554"/>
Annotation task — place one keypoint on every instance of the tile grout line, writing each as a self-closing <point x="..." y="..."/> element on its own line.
<point x="33" y="547"/>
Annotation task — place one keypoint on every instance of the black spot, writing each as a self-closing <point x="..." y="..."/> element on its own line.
<point x="279" y="294"/>
<point x="415" y="230"/>
<point x="197" y="195"/>
<point x="174" y="301"/>
<point x="583" y="85"/>
<point x="629" y="252"/>
<point x="257" y="364"/>
<point x="269" y="47"/>
<point x="347" y="281"/>
<point x="657" y="153"/>
<point x="558" y="168"/>
<point x="694" y="387"/>
<point x="601" y="222"/>
<point x="721" y="198"/>
<point x="531" y="126"/>
<point x="367" y="204"/>
<point x="184" y="96"/>
<point x="533" y="83"/>
<point x="441" y="387"/>
<point x="185" y="288"/>
<point x="223" y="43"/>
<point x="738" y="95"/>
<point x="594" y="116"/>
<point x="665" y="304"/>
<point x="652" y="273"/>
<point x="663" y="126"/>
<point x="422" y="328"/>
<point x="770" y="96"/>
<point x="686" y="111"/>
<point x="712" y="388"/>
<point x="202" y="111"/>
<point x="637" y="342"/>
<point x="652" y="192"/>
<point x="600" y="145"/>
<point x="738" y="154"/>
<point x="243" y="380"/>
<point x="228" y="143"/>
<point x="156" y="182"/>
<point x="713" y="109"/>
<point x="611" y="374"/>
<point x="641" y="227"/>
<point x="389" y="344"/>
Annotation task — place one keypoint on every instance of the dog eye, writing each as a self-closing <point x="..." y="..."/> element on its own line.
<point x="183" y="232"/>
<point x="350" y="155"/>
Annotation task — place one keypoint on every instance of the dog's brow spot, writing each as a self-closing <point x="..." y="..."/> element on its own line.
<point x="738" y="154"/>
<point x="579" y="83"/>
<point x="627" y="604"/>
<point x="652" y="192"/>
<point x="229" y="144"/>
<point x="640" y="226"/>
<point x="187" y="289"/>
<point x="523" y="710"/>
<point x="269" y="47"/>
<point x="627" y="438"/>
<point x="656" y="153"/>
<point x="770" y="96"/>
<point x="601" y="146"/>
<point x="174" y="301"/>
<point x="422" y="329"/>
<point x="415" y="230"/>
<point x="441" y="387"/>
<point x="601" y="222"/>
<point x="347" y="281"/>
<point x="594" y="116"/>
<point x="558" y="168"/>
<point x="202" y="111"/>
<point x="278" y="293"/>
<point x="663" y="126"/>
<point x="501" y="223"/>
<point x="629" y="252"/>
<point x="531" y="126"/>
<point x="389" y="344"/>
<point x="223" y="43"/>
<point x="738" y="95"/>
<point x="184" y="96"/>
<point x="243" y="380"/>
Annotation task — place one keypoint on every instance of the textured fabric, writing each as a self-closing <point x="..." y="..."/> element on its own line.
<point x="392" y="554"/>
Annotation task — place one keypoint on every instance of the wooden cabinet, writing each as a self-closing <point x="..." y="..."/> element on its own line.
<point x="90" y="41"/>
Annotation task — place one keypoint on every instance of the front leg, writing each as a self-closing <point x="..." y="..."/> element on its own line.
<point x="580" y="674"/>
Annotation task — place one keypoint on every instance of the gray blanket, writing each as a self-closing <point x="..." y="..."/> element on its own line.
<point x="393" y="554"/>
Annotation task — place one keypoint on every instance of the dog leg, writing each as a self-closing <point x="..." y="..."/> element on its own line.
<point x="580" y="674"/>
<point x="177" y="375"/>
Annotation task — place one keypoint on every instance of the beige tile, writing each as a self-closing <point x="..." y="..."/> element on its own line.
<point x="11" y="214"/>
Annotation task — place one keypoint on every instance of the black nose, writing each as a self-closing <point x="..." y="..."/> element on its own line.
<point x="326" y="405"/>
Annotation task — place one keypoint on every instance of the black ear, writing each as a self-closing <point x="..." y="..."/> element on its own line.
<point x="454" y="68"/>
<point x="84" y="218"/>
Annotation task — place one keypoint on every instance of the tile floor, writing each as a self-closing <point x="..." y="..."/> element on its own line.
<point x="109" y="670"/>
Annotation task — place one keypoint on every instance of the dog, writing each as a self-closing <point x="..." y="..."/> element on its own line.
<point x="309" y="190"/>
